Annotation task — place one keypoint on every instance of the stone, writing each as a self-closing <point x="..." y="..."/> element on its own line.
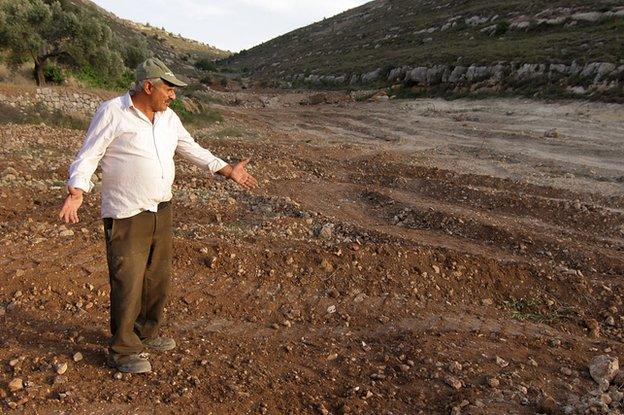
<point x="60" y="368"/>
<point x="493" y="382"/>
<point x="326" y="231"/>
<point x="588" y="16"/>
<point x="548" y="405"/>
<point x="552" y="133"/>
<point x="603" y="368"/>
<point x="417" y="75"/>
<point x="371" y="76"/>
<point x="453" y="382"/>
<point x="16" y="384"/>
<point x="77" y="357"/>
<point x="501" y="362"/>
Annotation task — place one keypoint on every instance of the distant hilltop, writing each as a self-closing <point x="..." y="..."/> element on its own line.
<point x="561" y="47"/>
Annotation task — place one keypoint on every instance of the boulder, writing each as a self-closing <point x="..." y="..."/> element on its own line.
<point x="457" y="74"/>
<point x="604" y="368"/>
<point x="589" y="16"/>
<point x="371" y="76"/>
<point x="417" y="75"/>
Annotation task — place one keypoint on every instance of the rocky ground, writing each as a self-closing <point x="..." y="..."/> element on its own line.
<point x="399" y="257"/>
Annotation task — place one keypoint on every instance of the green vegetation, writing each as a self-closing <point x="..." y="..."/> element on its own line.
<point x="206" y="64"/>
<point x="43" y="31"/>
<point x="230" y="132"/>
<point x="533" y="309"/>
<point x="203" y="118"/>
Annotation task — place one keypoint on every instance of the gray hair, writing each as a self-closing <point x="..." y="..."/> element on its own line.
<point x="138" y="85"/>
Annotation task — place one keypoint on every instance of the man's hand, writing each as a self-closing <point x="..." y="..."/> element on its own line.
<point x="238" y="173"/>
<point x="69" y="211"/>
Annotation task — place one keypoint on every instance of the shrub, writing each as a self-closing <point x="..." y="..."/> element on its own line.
<point x="205" y="64"/>
<point x="501" y="28"/>
<point x="53" y="74"/>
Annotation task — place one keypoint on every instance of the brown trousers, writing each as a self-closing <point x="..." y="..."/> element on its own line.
<point x="138" y="250"/>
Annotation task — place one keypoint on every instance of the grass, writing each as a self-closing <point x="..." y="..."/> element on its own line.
<point x="230" y="132"/>
<point x="204" y="118"/>
<point x="533" y="309"/>
<point x="38" y="115"/>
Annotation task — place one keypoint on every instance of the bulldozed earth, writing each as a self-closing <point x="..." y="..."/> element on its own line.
<point x="399" y="257"/>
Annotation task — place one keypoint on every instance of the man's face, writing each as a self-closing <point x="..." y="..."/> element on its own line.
<point x="161" y="95"/>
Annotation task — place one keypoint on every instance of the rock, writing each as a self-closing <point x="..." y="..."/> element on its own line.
<point x="589" y="16"/>
<point x="566" y="371"/>
<point x="322" y="410"/>
<point x="371" y="76"/>
<point x="77" y="357"/>
<point x="326" y="231"/>
<point x="453" y="382"/>
<point x="501" y="362"/>
<point x="60" y="368"/>
<point x="552" y="133"/>
<point x="417" y="75"/>
<point x="476" y="20"/>
<point x="455" y="367"/>
<point x="487" y="301"/>
<point x="548" y="405"/>
<point x="604" y="368"/>
<point x="493" y="382"/>
<point x="16" y="384"/>
<point x="118" y="375"/>
<point x="594" y="327"/>
<point x="66" y="232"/>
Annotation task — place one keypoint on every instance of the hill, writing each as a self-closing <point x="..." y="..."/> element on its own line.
<point x="177" y="51"/>
<point x="57" y="44"/>
<point x="429" y="43"/>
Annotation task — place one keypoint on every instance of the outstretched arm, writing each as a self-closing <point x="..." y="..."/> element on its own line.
<point x="196" y="154"/>
<point x="239" y="174"/>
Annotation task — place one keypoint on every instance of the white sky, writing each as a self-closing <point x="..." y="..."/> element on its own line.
<point x="228" y="24"/>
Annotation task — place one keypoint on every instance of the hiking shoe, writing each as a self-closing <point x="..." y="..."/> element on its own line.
<point x="159" y="343"/>
<point x="130" y="363"/>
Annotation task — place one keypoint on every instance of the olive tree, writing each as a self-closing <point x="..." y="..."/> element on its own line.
<point x="40" y="31"/>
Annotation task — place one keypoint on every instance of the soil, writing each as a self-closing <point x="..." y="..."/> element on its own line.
<point x="399" y="257"/>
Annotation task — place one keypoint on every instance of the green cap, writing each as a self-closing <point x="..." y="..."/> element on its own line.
<point x="155" y="68"/>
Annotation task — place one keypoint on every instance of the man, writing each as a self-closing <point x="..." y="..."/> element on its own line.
<point x="135" y="136"/>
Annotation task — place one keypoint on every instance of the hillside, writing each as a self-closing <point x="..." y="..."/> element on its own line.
<point x="364" y="45"/>
<point x="178" y="52"/>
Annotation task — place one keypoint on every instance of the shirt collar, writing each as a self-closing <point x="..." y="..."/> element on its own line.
<point x="127" y="101"/>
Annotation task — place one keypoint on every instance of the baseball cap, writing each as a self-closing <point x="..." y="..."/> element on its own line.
<point x="155" y="68"/>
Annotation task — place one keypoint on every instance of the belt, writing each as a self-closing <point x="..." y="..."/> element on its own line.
<point x="163" y="205"/>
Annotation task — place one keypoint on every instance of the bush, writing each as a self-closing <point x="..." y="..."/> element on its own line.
<point x="53" y="74"/>
<point x="501" y="28"/>
<point x="206" y="64"/>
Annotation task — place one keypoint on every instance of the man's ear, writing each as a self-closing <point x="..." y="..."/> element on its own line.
<point x="148" y="87"/>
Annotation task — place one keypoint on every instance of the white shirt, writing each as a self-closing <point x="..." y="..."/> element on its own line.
<point x="136" y="155"/>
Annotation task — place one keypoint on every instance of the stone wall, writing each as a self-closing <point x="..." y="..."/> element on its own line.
<point x="66" y="100"/>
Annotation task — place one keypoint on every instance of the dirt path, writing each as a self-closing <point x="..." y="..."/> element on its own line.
<point x="400" y="257"/>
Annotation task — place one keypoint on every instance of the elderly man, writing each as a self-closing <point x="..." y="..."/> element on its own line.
<point x="135" y="136"/>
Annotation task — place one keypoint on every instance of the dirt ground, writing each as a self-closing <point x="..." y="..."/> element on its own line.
<point x="400" y="257"/>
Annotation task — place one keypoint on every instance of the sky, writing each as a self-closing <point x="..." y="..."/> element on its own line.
<point x="228" y="24"/>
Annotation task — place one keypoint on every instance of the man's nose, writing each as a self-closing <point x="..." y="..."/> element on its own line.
<point x="172" y="95"/>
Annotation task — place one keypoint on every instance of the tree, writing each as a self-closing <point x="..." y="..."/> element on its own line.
<point x="41" y="30"/>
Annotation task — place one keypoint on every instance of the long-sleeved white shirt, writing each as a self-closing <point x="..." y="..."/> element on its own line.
<point x="136" y="156"/>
